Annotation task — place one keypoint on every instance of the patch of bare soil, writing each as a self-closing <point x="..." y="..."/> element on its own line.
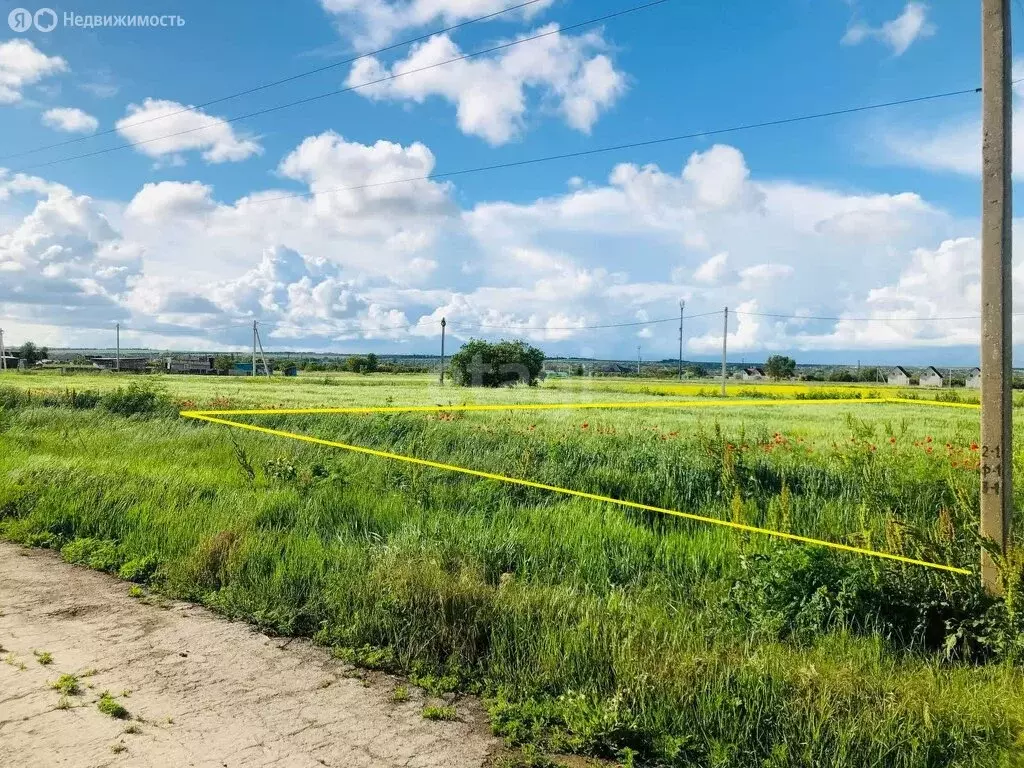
<point x="198" y="690"/>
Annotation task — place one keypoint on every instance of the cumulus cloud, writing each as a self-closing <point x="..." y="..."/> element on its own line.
<point x="898" y="34"/>
<point x="64" y="262"/>
<point x="374" y="23"/>
<point x="147" y="123"/>
<point x="383" y="260"/>
<point x="491" y="94"/>
<point x="22" y="64"/>
<point x="70" y="119"/>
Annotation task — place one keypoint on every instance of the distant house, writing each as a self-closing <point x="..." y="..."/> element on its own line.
<point x="201" y="365"/>
<point x="932" y="378"/>
<point x="290" y="370"/>
<point x="125" y="363"/>
<point x="898" y="377"/>
<point x="750" y="374"/>
<point x="973" y="379"/>
<point x="9" y="362"/>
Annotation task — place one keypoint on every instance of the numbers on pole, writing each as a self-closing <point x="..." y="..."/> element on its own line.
<point x="991" y="469"/>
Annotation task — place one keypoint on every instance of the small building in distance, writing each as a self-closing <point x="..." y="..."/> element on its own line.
<point x="202" y="365"/>
<point x="290" y="370"/>
<point x="750" y="374"/>
<point x="125" y="363"/>
<point x="9" y="362"/>
<point x="899" y="377"/>
<point x="973" y="379"/>
<point x="932" y="377"/>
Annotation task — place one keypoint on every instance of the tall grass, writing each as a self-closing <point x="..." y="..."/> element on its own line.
<point x="587" y="627"/>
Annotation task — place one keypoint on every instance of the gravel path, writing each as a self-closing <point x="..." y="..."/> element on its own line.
<point x="200" y="690"/>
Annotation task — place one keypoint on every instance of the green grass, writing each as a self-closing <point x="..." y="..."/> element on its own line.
<point x="440" y="713"/>
<point x="67" y="684"/>
<point x="588" y="628"/>
<point x="109" y="706"/>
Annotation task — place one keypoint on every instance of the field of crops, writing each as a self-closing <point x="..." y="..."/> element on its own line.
<point x="588" y="628"/>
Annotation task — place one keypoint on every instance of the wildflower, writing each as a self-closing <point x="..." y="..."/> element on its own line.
<point x="585" y="424"/>
<point x="928" y="439"/>
<point x="974" y="446"/>
<point x="929" y="449"/>
<point x="892" y="440"/>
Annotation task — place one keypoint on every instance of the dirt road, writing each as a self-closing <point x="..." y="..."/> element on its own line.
<point x="199" y="690"/>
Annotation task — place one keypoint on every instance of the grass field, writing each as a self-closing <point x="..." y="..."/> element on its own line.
<point x="588" y="628"/>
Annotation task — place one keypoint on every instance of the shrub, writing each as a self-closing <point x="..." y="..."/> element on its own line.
<point x="100" y="554"/>
<point x="798" y="592"/>
<point x="139" y="569"/>
<point x="108" y="705"/>
<point x="137" y="399"/>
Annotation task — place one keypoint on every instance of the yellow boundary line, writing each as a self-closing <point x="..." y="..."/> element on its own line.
<point x="724" y="403"/>
<point x="213" y="417"/>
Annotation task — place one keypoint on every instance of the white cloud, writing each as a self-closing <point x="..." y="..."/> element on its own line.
<point x="374" y="23"/>
<point x="952" y="145"/>
<point x="714" y="270"/>
<point x="330" y="270"/>
<point x="64" y="263"/>
<point x="70" y="119"/>
<point x="145" y="124"/>
<point x="22" y="64"/>
<point x="898" y="34"/>
<point x="491" y="93"/>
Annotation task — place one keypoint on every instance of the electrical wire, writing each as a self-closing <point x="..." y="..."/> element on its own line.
<point x="620" y="147"/>
<point x="858" y="319"/>
<point x="348" y="89"/>
<point x="282" y="81"/>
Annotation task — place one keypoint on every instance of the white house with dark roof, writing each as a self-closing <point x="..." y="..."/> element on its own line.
<point x="899" y="377"/>
<point x="932" y="377"/>
<point x="973" y="379"/>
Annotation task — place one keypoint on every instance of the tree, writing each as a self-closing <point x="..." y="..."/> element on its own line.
<point x="483" y="364"/>
<point x="695" y="372"/>
<point x="371" y="363"/>
<point x="780" y="367"/>
<point x="841" y="375"/>
<point x="30" y="353"/>
<point x="223" y="363"/>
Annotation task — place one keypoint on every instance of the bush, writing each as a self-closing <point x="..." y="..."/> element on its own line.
<point x="797" y="592"/>
<point x="136" y="399"/>
<point x="139" y="569"/>
<point x="482" y="364"/>
<point x="100" y="554"/>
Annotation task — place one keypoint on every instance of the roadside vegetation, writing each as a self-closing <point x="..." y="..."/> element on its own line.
<point x="587" y="628"/>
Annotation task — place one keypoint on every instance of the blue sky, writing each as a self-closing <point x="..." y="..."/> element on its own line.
<point x="865" y="216"/>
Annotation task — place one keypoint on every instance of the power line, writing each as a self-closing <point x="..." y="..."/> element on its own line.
<point x="282" y="81"/>
<point x="619" y="147"/>
<point x="861" y="319"/>
<point x="348" y="89"/>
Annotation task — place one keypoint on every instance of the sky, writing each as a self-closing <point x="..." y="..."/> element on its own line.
<point x="135" y="188"/>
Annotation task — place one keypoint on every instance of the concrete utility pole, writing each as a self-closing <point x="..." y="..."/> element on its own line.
<point x="996" y="281"/>
<point x="254" y="332"/>
<point x="725" y="340"/>
<point x="444" y="323"/>
<point x="117" y="333"/>
<point x="682" y="308"/>
<point x="637" y="359"/>
<point x="3" y="352"/>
